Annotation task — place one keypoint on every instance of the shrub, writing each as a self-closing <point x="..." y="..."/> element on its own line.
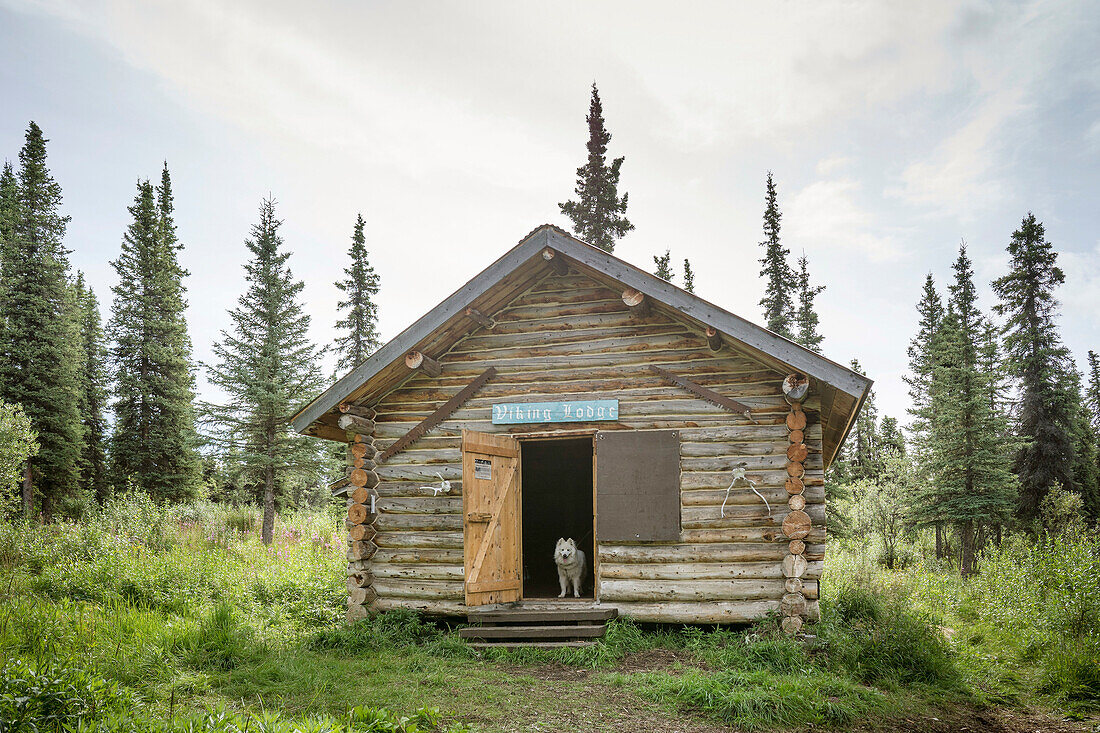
<point x="54" y="696"/>
<point x="875" y="638"/>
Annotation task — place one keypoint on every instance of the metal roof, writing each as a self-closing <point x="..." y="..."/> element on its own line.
<point x="765" y="345"/>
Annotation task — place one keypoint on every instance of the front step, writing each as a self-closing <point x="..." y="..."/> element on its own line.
<point x="518" y="626"/>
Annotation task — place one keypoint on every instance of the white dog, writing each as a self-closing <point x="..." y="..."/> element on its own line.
<point x="570" y="562"/>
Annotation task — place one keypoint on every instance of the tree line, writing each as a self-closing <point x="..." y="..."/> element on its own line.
<point x="1000" y="417"/>
<point x="88" y="411"/>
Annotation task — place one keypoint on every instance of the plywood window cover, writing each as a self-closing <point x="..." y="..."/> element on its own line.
<point x="638" y="485"/>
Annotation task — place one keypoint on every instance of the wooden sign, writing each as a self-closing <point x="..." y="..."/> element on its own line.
<point x="510" y="413"/>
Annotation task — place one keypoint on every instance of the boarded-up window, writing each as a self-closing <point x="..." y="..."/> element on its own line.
<point x="638" y="485"/>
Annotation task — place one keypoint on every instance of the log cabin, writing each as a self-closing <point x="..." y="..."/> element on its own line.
<point x="563" y="392"/>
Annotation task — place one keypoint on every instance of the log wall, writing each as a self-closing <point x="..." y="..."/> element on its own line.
<point x="573" y="338"/>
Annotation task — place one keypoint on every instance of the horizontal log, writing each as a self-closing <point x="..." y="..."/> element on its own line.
<point x="443" y="590"/>
<point x="361" y="550"/>
<point x="359" y="580"/>
<point x="689" y="553"/>
<point x="424" y="606"/>
<point x="612" y="590"/>
<point x="732" y="534"/>
<point x="724" y="612"/>
<point x="772" y="570"/>
<point x="708" y="517"/>
<point x="777" y="497"/>
<point x="355" y="424"/>
<point x="417" y="489"/>
<point x="362" y="532"/>
<point x="423" y="362"/>
<point x="348" y="408"/>
<point x="363" y="451"/>
<point x="361" y="596"/>
<point x="443" y="504"/>
<point x="418" y="571"/>
<point x="429" y="522"/>
<point x="442" y="540"/>
<point x="425" y="555"/>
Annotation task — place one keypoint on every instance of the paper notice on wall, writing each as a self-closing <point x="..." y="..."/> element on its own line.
<point x="483" y="469"/>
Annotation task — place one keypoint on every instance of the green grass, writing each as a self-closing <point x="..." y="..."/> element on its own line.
<point x="159" y="619"/>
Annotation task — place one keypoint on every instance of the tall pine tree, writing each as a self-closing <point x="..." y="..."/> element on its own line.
<point x="94" y="480"/>
<point x="1039" y="363"/>
<point x="598" y="213"/>
<point x="863" y="456"/>
<point x="972" y="488"/>
<point x="267" y="368"/>
<point x="805" y="316"/>
<point x="154" y="442"/>
<point x="358" y="331"/>
<point x="689" y="276"/>
<point x="780" y="281"/>
<point x="40" y="355"/>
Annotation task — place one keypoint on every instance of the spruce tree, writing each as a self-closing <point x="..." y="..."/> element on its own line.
<point x="689" y="276"/>
<point x="919" y="378"/>
<point x="890" y="437"/>
<point x="664" y="266"/>
<point x="40" y="355"/>
<point x="863" y="454"/>
<point x="94" y="481"/>
<point x="598" y="213"/>
<point x="358" y="330"/>
<point x="267" y="368"/>
<point x="1092" y="411"/>
<point x="805" y="317"/>
<point x="780" y="281"/>
<point x="972" y="487"/>
<point x="154" y="443"/>
<point x="1039" y="363"/>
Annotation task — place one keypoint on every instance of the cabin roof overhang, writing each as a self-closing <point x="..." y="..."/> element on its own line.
<point x="842" y="390"/>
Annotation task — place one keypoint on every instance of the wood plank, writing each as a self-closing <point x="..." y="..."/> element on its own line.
<point x="519" y="616"/>
<point x="532" y="632"/>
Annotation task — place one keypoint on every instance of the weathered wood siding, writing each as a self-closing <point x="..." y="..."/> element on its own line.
<point x="572" y="338"/>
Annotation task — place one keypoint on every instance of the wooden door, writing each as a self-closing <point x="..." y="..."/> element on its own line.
<point x="491" y="518"/>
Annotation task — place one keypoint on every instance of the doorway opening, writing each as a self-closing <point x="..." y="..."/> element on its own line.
<point x="557" y="502"/>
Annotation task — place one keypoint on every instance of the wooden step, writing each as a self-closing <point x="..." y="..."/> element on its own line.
<point x="520" y="616"/>
<point x="528" y="644"/>
<point x="532" y="632"/>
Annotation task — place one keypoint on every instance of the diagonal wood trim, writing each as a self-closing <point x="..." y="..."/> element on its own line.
<point x="484" y="586"/>
<point x="707" y="394"/>
<point x="442" y="413"/>
<point x="487" y="538"/>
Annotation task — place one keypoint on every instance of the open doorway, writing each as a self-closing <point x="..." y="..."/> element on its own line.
<point x="557" y="502"/>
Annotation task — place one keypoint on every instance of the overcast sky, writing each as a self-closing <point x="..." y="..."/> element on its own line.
<point x="894" y="131"/>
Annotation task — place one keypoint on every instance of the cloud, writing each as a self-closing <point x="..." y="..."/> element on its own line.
<point x="827" y="215"/>
<point x="1081" y="292"/>
<point x="829" y="166"/>
<point x="963" y="175"/>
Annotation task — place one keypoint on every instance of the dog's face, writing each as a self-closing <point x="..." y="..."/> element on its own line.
<point x="565" y="550"/>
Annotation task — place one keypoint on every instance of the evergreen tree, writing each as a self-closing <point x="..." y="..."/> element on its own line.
<point x="890" y="437"/>
<point x="805" y="317"/>
<point x="267" y="368"/>
<point x="689" y="276"/>
<point x="863" y="455"/>
<point x="40" y="356"/>
<point x="1092" y="398"/>
<point x="664" y="266"/>
<point x="921" y="366"/>
<point x="971" y="487"/>
<point x="780" y="279"/>
<point x="359" y="337"/>
<point x="94" y="481"/>
<point x="599" y="213"/>
<point x="1039" y="362"/>
<point x="1092" y="411"/>
<point x="154" y="443"/>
